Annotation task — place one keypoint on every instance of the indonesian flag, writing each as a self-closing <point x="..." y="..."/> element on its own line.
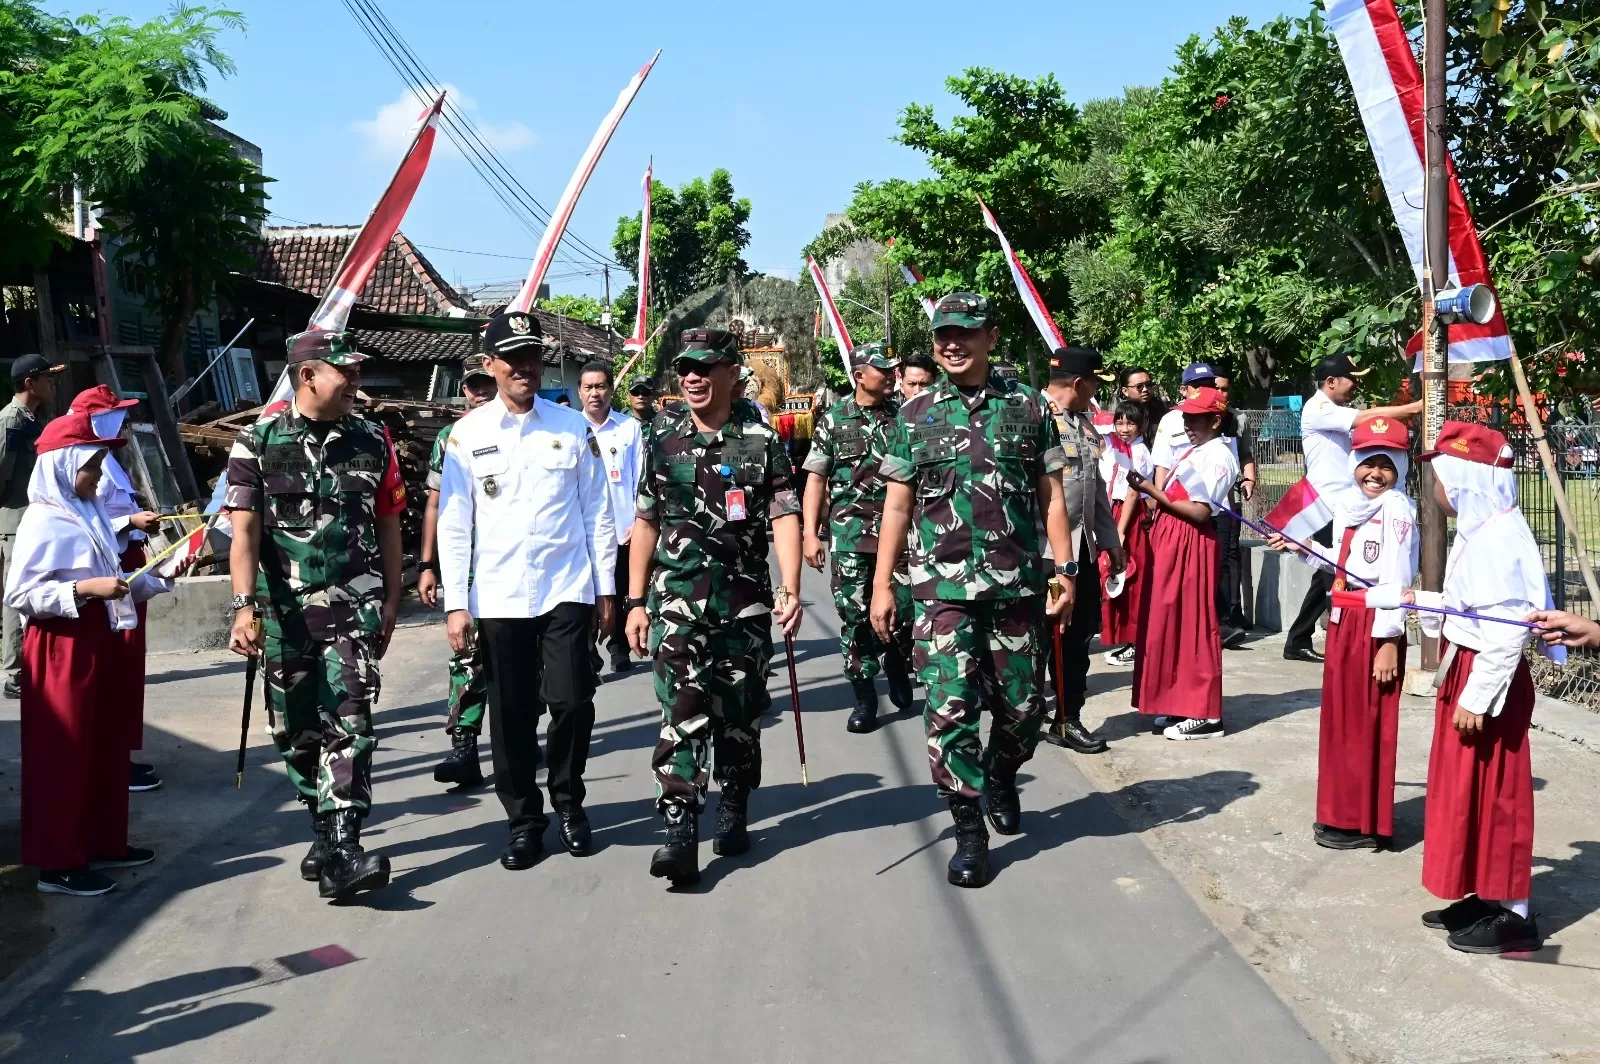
<point x="368" y="247"/>
<point x="1301" y="513"/>
<point x="1030" y="295"/>
<point x="188" y="548"/>
<point x="835" y="321"/>
<point x="1388" y="89"/>
<point x="637" y="341"/>
<point x="913" y="277"/>
<point x="553" y="232"/>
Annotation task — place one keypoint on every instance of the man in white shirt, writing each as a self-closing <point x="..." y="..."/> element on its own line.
<point x="527" y="546"/>
<point x="619" y="438"/>
<point x="1171" y="438"/>
<point x="1325" y="424"/>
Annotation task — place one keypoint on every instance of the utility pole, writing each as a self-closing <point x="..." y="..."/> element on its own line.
<point x="606" y="319"/>
<point x="888" y="313"/>
<point x="1435" y="275"/>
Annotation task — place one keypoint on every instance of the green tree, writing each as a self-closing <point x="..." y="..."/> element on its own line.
<point x="697" y="239"/>
<point x="586" y="309"/>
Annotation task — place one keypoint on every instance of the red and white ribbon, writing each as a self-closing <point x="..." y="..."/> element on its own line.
<point x="1025" y="287"/>
<point x="831" y="312"/>
<point x="637" y="341"/>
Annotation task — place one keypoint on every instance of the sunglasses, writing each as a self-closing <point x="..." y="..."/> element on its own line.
<point x="685" y="367"/>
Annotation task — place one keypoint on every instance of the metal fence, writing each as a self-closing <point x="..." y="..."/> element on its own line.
<point x="1275" y="437"/>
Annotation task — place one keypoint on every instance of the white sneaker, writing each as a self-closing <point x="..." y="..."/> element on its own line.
<point x="1126" y="655"/>
<point x="1194" y="728"/>
<point x="1114" y="656"/>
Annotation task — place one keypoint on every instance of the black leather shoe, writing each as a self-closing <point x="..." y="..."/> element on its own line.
<point x="1305" y="654"/>
<point x="901" y="694"/>
<point x="575" y="832"/>
<point x="1342" y="838"/>
<point x="460" y="767"/>
<point x="523" y="850"/>
<point x="311" y="863"/>
<point x="970" y="865"/>
<point x="1071" y="734"/>
<point x="679" y="860"/>
<point x="1460" y="915"/>
<point x="732" y="837"/>
<point x="865" y="716"/>
<point x="348" y="869"/>
<point x="1002" y="802"/>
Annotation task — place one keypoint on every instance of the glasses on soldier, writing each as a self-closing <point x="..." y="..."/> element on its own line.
<point x="685" y="367"/>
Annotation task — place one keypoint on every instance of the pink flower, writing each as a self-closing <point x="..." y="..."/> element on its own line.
<point x="1222" y="100"/>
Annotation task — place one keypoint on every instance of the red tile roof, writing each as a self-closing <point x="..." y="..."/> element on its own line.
<point x="305" y="258"/>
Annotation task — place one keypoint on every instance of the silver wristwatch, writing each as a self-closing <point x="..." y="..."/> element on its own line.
<point x="239" y="602"/>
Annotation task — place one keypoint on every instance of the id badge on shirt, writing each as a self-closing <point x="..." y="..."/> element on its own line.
<point x="616" y="475"/>
<point x="733" y="499"/>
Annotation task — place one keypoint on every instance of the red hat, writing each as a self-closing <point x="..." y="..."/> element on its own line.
<point x="1381" y="432"/>
<point x="99" y="399"/>
<point x="69" y="430"/>
<point x="1204" y="401"/>
<point x="1475" y="443"/>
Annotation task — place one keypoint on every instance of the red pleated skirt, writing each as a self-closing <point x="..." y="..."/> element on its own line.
<point x="1119" y="617"/>
<point x="133" y="648"/>
<point x="1178" y="669"/>
<point x="74" y="741"/>
<point x="1478" y="832"/>
<point x="1360" y="725"/>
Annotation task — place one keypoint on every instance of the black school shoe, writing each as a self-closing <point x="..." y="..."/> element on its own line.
<point x="142" y="777"/>
<point x="1501" y="932"/>
<point x="1342" y="838"/>
<point x="79" y="882"/>
<point x="1460" y="915"/>
<point x="132" y="859"/>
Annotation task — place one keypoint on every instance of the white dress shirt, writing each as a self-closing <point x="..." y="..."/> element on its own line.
<point x="620" y="444"/>
<point x="1171" y="440"/>
<point x="524" y="523"/>
<point x="1325" y="438"/>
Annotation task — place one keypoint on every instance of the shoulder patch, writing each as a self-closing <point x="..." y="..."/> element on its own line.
<point x="594" y="445"/>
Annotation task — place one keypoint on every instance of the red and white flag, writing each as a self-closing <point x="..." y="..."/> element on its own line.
<point x="914" y="277"/>
<point x="1025" y="287"/>
<point x="1301" y="513"/>
<point x="559" y="218"/>
<point x="191" y="546"/>
<point x="831" y="312"/>
<point x="637" y="341"/>
<point x="1388" y="89"/>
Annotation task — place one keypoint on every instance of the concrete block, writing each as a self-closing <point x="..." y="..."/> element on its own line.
<point x="193" y="617"/>
<point x="1278" y="584"/>
<point x="1418" y="682"/>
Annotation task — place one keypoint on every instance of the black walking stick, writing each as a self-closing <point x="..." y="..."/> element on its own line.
<point x="794" y="701"/>
<point x="250" y="666"/>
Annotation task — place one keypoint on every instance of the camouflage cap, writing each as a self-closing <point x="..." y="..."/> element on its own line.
<point x="874" y="355"/>
<point x="642" y="386"/>
<point x="475" y="366"/>
<point x="320" y="345"/>
<point x="710" y="345"/>
<point x="967" y="310"/>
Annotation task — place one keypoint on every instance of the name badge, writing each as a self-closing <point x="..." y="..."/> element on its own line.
<point x="616" y="476"/>
<point x="733" y="499"/>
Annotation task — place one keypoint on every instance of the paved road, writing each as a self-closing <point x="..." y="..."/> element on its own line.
<point x="834" y="938"/>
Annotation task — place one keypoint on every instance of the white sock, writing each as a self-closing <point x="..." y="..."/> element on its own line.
<point x="1520" y="907"/>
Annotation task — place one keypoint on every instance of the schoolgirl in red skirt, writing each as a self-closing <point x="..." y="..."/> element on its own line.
<point x="1477" y="846"/>
<point x="1177" y="673"/>
<point x="66" y="583"/>
<point x="1119" y="614"/>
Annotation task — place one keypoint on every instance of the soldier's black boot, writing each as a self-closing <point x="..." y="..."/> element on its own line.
<point x="347" y="869"/>
<point x="732" y="812"/>
<point x="970" y="865"/>
<point x="1003" y="802"/>
<point x="865" y="716"/>
<point x="679" y="859"/>
<point x="1067" y="730"/>
<point x="898" y="674"/>
<point x="311" y="863"/>
<point x="460" y="766"/>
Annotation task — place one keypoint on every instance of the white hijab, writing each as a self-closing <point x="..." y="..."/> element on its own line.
<point x="62" y="533"/>
<point x="1354" y="507"/>
<point x="108" y="426"/>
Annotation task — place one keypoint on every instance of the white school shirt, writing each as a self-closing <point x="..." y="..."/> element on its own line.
<point x="1325" y="439"/>
<point x="1383" y="551"/>
<point x="1207" y="473"/>
<point x="620" y="449"/>
<point x="1171" y="439"/>
<point x="1115" y="474"/>
<point x="524" y="521"/>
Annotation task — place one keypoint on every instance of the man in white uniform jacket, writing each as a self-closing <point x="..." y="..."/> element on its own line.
<point x="527" y="546"/>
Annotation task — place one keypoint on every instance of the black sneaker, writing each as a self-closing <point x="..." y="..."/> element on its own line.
<point x="132" y="859"/>
<point x="1460" y="915"/>
<point x="142" y="777"/>
<point x="1501" y="932"/>
<point x="1342" y="838"/>
<point x="79" y="882"/>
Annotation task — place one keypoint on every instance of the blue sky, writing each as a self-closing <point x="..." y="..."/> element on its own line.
<point x="798" y="101"/>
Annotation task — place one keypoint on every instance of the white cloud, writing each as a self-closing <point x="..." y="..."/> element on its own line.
<point x="391" y="130"/>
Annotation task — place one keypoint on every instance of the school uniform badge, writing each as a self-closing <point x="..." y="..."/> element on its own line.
<point x="1369" y="551"/>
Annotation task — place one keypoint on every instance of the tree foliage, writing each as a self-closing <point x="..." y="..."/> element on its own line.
<point x="697" y="238"/>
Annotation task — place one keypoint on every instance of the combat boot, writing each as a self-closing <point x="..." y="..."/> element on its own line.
<point x="899" y="676"/>
<point x="460" y="766"/>
<point x="347" y="869"/>
<point x="970" y="865"/>
<point x="1004" y="805"/>
<point x="865" y="716"/>
<point x="679" y="859"/>
<point x="311" y="863"/>
<point x="732" y="812"/>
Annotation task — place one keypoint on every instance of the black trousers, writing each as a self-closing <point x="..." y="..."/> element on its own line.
<point x="531" y="664"/>
<point x="1070" y="686"/>
<point x="616" y="640"/>
<point x="1316" y="599"/>
<point x="1230" y="604"/>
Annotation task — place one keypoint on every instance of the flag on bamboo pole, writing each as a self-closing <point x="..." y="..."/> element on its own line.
<point x="1388" y="90"/>
<point x="835" y="321"/>
<point x="559" y="218"/>
<point x="1031" y="299"/>
<point x="637" y="341"/>
<point x="913" y="277"/>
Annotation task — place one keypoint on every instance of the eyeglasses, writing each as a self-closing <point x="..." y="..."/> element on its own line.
<point x="1138" y="386"/>
<point x="685" y="367"/>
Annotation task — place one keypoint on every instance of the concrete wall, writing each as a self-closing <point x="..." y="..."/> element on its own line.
<point x="193" y="617"/>
<point x="1275" y="585"/>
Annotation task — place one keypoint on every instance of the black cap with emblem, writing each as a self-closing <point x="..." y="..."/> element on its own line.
<point x="513" y="335"/>
<point x="710" y="345"/>
<point x="1071" y="362"/>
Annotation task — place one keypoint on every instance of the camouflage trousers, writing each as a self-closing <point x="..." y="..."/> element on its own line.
<point x="469" y="690"/>
<point x="319" y="710"/>
<point x="711" y="681"/>
<point x="859" y="645"/>
<point x="972" y="654"/>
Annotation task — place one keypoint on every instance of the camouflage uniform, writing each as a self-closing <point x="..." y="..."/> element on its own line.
<point x="469" y="690"/>
<point x="974" y="463"/>
<point x="320" y="591"/>
<point x="710" y="600"/>
<point x="847" y="446"/>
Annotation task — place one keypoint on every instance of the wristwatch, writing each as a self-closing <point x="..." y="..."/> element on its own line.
<point x="428" y="567"/>
<point x="1069" y="570"/>
<point x="239" y="602"/>
<point x="634" y="603"/>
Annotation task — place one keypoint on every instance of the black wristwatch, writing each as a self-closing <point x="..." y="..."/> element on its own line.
<point x="428" y="567"/>
<point x="1069" y="570"/>
<point x="633" y="603"/>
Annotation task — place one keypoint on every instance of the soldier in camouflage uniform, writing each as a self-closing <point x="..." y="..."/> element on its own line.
<point x="314" y="495"/>
<point x="972" y="465"/>
<point x="715" y="479"/>
<point x="846" y="446"/>
<point x="469" y="690"/>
